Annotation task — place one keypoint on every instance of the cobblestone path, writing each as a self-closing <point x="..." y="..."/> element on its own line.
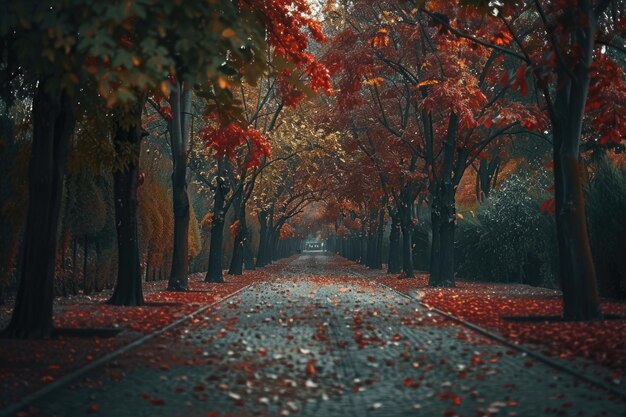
<point x="321" y="341"/>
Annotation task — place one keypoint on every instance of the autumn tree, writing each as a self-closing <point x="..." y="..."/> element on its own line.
<point x="561" y="55"/>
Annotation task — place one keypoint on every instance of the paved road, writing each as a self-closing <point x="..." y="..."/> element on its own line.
<point x="320" y="341"/>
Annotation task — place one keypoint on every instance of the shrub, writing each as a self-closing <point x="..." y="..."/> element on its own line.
<point x="606" y="214"/>
<point x="508" y="239"/>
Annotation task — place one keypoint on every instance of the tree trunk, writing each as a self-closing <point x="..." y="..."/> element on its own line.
<point x="236" y="262"/>
<point x="128" y="287"/>
<point x="248" y="254"/>
<point x="216" y="250"/>
<point x="53" y="125"/>
<point x="406" y="228"/>
<point x="393" y="266"/>
<point x="407" y="262"/>
<point x="447" y="227"/>
<point x="577" y="271"/>
<point x="214" y="270"/>
<point x="261" y="253"/>
<point x="179" y="132"/>
<point x="74" y="258"/>
<point x="86" y="285"/>
<point x="377" y="261"/>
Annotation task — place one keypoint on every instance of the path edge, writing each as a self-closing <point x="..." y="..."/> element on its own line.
<point x="11" y="410"/>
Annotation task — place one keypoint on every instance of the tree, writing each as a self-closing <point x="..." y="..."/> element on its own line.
<point x="559" y="55"/>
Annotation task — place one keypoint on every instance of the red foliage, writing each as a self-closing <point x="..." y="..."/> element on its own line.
<point x="226" y="140"/>
<point x="486" y="304"/>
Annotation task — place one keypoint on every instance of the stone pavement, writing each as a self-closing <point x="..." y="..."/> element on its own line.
<point x="319" y="341"/>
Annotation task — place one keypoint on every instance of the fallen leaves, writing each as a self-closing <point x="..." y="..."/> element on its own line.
<point x="27" y="365"/>
<point x="310" y="368"/>
<point x="484" y="304"/>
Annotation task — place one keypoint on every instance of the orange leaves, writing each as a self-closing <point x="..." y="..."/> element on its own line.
<point x="286" y="231"/>
<point x="380" y="39"/>
<point x="376" y="82"/>
<point x="426" y="83"/>
<point x="502" y="38"/>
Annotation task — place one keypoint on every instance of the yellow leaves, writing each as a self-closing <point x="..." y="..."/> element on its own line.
<point x="223" y="83"/>
<point x="136" y="61"/>
<point x="459" y="216"/>
<point x="375" y="82"/>
<point x="425" y="83"/>
<point x="165" y="88"/>
<point x="388" y="17"/>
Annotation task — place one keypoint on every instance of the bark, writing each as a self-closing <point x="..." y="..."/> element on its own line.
<point x="261" y="253"/>
<point x="236" y="262"/>
<point x="485" y="176"/>
<point x="86" y="285"/>
<point x="128" y="287"/>
<point x="407" y="262"/>
<point x="443" y="212"/>
<point x="53" y="125"/>
<point x="577" y="271"/>
<point x="179" y="132"/>
<point x="363" y="237"/>
<point x="216" y="250"/>
<point x="406" y="226"/>
<point x="446" y="241"/>
<point x="393" y="265"/>
<point x="377" y="262"/>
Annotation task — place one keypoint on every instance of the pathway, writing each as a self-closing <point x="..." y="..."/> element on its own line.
<point x="322" y="341"/>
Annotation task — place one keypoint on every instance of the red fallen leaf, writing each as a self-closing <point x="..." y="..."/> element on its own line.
<point x="409" y="383"/>
<point x="199" y="387"/>
<point x="567" y="404"/>
<point x="179" y="389"/>
<point x="456" y="400"/>
<point x="212" y="414"/>
<point x="47" y="378"/>
<point x="310" y="368"/>
<point x="93" y="409"/>
<point x="396" y="337"/>
<point x="146" y="396"/>
<point x="164" y="367"/>
<point x="157" y="401"/>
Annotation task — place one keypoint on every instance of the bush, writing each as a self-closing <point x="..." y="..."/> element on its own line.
<point x="606" y="214"/>
<point x="508" y="239"/>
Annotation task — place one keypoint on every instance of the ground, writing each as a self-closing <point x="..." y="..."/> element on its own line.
<point x="321" y="337"/>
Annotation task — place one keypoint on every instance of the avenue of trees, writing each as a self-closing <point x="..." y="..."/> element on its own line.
<point x="77" y="71"/>
<point x="147" y="140"/>
<point x="430" y="94"/>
